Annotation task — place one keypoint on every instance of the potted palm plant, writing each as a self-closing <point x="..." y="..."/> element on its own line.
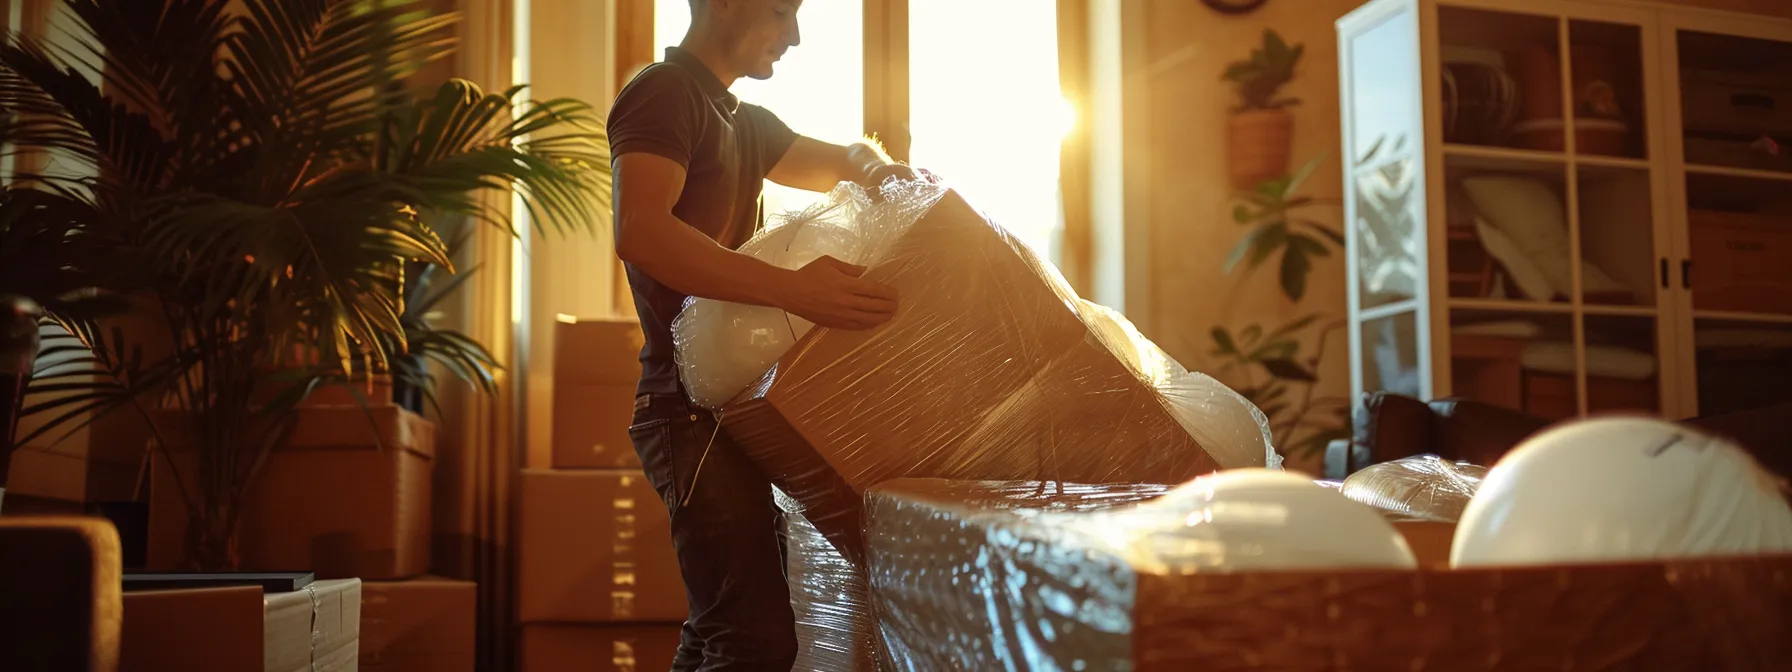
<point x="1261" y="137"/>
<point x="258" y="175"/>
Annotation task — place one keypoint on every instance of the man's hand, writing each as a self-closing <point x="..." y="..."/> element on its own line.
<point x="830" y="293"/>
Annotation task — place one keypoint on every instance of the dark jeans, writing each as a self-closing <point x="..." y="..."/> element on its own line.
<point x="726" y="530"/>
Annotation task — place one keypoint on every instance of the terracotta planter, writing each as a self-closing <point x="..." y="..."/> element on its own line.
<point x="347" y="496"/>
<point x="1260" y="143"/>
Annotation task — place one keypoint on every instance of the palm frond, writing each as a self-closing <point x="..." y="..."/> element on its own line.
<point x="464" y="141"/>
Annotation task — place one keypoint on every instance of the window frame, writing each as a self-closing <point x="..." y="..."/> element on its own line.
<point x="886" y="104"/>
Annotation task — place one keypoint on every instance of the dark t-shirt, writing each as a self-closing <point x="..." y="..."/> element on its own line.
<point x="679" y="110"/>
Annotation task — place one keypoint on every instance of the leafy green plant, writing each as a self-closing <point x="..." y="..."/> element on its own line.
<point x="258" y="182"/>
<point x="1260" y="78"/>
<point x="1274" y="211"/>
<point x="1275" y="371"/>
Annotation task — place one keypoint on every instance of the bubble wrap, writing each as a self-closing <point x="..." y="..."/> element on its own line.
<point x="1422" y="487"/>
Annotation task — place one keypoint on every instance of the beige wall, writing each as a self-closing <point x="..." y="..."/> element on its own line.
<point x="1191" y="228"/>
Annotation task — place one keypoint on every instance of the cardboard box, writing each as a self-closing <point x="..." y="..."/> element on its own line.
<point x="593" y="648"/>
<point x="985" y="372"/>
<point x="241" y="629"/>
<point x="422" y="625"/>
<point x="339" y="500"/>
<point x="595" y="546"/>
<point x="603" y="351"/>
<point x="959" y="585"/>
<point x="591" y="424"/>
<point x="1429" y="540"/>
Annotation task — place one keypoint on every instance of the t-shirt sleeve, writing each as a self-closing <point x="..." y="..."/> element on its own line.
<point x="658" y="113"/>
<point x="775" y="138"/>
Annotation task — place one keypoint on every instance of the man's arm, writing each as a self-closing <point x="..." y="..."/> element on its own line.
<point x="647" y="186"/>
<point x="827" y="292"/>
<point x="814" y="165"/>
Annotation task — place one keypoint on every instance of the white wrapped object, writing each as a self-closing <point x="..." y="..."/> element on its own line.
<point x="723" y="347"/>
<point x="1216" y="415"/>
<point x="1622" y="489"/>
<point x="1251" y="520"/>
<point x="1425" y="487"/>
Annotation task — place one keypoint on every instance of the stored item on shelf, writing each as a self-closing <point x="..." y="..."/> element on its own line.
<point x="992" y="368"/>
<point x="595" y="546"/>
<point x="427" y="624"/>
<point x="1600" y="91"/>
<point x="1601" y="137"/>
<point x="1618" y="489"/>
<point x="598" y="648"/>
<point x="1539" y="76"/>
<point x="836" y="631"/>
<point x="957" y="586"/>
<point x="1421" y="487"/>
<point x="1736" y="103"/>
<point x="239" y="629"/>
<point x="1740" y="261"/>
<point x="348" y="496"/>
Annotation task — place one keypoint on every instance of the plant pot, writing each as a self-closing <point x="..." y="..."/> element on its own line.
<point x="1259" y="145"/>
<point x="377" y="391"/>
<point x="343" y="498"/>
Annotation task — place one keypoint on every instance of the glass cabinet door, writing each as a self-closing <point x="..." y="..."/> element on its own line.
<point x="1549" y="211"/>
<point x="1385" y="201"/>
<point x="1735" y="105"/>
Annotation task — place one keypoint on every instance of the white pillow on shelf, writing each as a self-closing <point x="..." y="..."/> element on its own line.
<point x="1535" y="221"/>
<point x="1525" y="275"/>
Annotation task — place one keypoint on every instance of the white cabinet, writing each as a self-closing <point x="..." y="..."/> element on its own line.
<point x="1569" y="206"/>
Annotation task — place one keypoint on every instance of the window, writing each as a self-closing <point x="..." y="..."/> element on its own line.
<point x="984" y="114"/>
<point x="819" y="86"/>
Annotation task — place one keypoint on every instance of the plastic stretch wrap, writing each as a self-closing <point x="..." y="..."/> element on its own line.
<point x="1425" y="487"/>
<point x="959" y="585"/>
<point x="991" y="369"/>
<point x="835" y="628"/>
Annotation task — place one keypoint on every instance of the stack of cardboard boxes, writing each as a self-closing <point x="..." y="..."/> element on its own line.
<point x="348" y="498"/>
<point x="598" y="582"/>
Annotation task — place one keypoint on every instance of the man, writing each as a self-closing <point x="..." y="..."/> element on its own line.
<point x="690" y="160"/>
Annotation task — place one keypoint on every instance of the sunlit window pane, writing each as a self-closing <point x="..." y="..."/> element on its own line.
<point x="986" y="112"/>
<point x="818" y="89"/>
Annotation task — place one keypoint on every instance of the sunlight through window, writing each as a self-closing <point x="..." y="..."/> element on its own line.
<point x="985" y="109"/>
<point x="986" y="112"/>
<point x="818" y="89"/>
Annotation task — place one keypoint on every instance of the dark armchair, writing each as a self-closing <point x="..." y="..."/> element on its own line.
<point x="1392" y="426"/>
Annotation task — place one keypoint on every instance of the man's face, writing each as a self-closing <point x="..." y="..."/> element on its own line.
<point x="763" y="31"/>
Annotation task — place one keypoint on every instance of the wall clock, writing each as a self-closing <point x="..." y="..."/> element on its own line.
<point x="1234" y="6"/>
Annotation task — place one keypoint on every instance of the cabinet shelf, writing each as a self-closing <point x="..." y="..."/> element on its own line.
<point x="1732" y="316"/>
<point x="1610" y="198"/>
<point x="1508" y="159"/>
<point x="1743" y="173"/>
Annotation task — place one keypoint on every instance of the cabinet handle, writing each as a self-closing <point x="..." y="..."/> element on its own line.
<point x="1686" y="273"/>
<point x="1664" y="272"/>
